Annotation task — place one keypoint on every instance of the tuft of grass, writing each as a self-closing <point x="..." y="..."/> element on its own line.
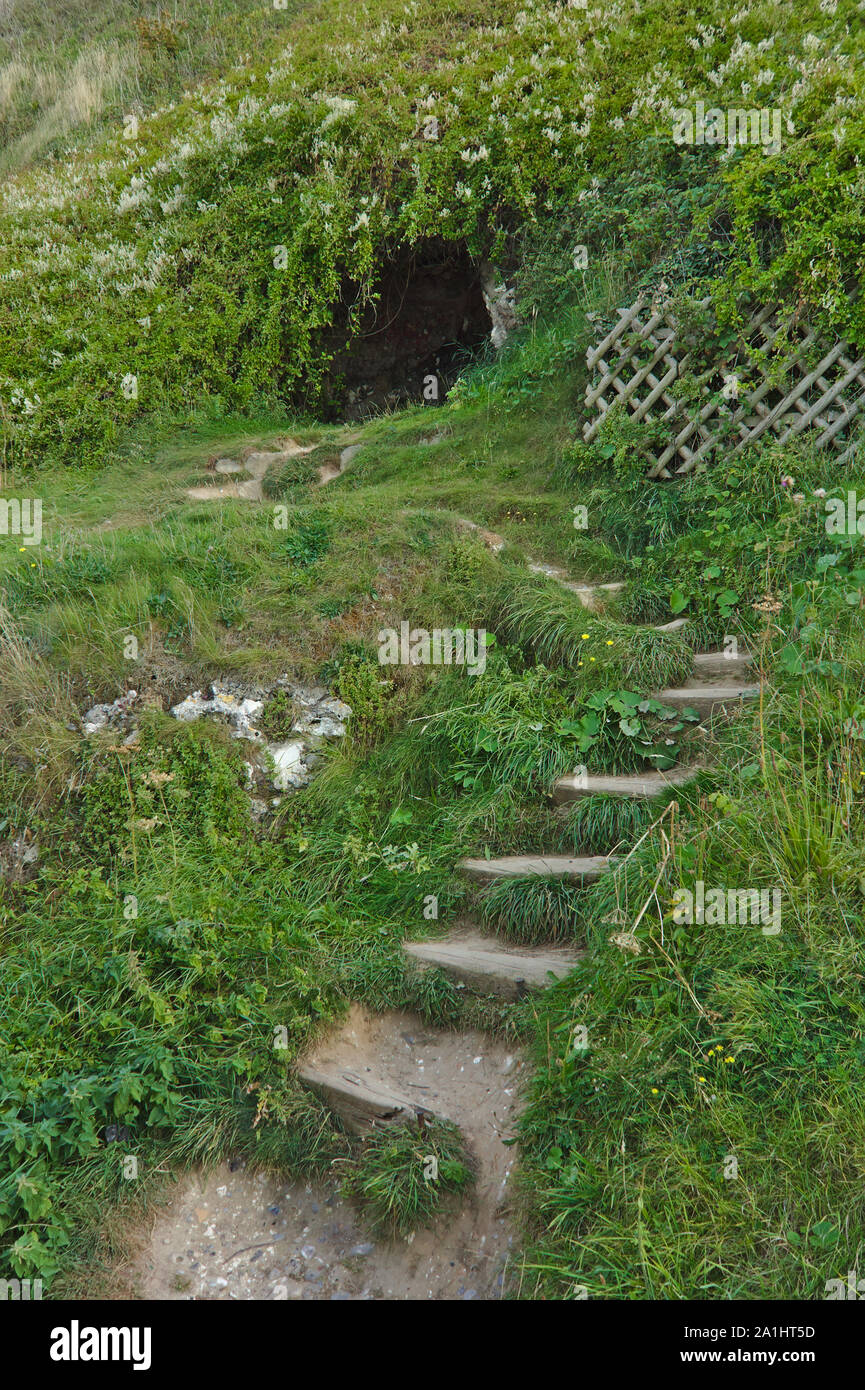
<point x="552" y="624"/>
<point x="597" y="824"/>
<point x="532" y="910"/>
<point x="299" y="1137"/>
<point x="37" y="713"/>
<point x="278" y="715"/>
<point x="403" y="1174"/>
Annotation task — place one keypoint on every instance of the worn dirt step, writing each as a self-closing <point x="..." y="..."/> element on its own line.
<point x="708" y="699"/>
<point x="255" y="463"/>
<point x="359" y="1100"/>
<point x="719" y="666"/>
<point x="591" y="596"/>
<point x="647" y="784"/>
<point x="585" y="870"/>
<point x="487" y="967"/>
<point x="594" y="596"/>
<point x="328" y="471"/>
<point x="493" y="542"/>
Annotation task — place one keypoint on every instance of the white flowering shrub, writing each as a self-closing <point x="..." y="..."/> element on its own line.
<point x="378" y="127"/>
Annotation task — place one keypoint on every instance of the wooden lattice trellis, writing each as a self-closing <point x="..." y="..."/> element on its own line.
<point x="637" y="365"/>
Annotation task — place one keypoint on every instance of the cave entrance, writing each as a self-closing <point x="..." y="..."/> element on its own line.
<point x="428" y="320"/>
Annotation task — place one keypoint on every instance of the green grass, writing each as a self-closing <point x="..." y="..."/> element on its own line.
<point x="662" y="1212"/>
<point x="529" y="911"/>
<point x="403" y="1175"/>
<point x="163" y="1018"/>
<point x="555" y="626"/>
<point x="167" y="1019"/>
<point x="71" y="71"/>
<point x="597" y="823"/>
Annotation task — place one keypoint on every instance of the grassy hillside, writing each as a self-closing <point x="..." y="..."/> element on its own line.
<point x="221" y="251"/>
<point x="154" y="258"/>
<point x="71" y="71"/>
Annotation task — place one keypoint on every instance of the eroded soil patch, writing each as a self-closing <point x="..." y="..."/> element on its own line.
<point x="238" y="1235"/>
<point x="253" y="462"/>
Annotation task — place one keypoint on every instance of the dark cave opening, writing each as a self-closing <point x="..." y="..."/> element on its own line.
<point x="429" y="319"/>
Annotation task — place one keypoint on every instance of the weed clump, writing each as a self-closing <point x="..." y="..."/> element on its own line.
<point x="532" y="909"/>
<point x="279" y="715"/>
<point x="401" y="1176"/>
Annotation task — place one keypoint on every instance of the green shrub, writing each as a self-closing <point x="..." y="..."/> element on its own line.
<point x="360" y="683"/>
<point x="279" y="714"/>
<point x="227" y="253"/>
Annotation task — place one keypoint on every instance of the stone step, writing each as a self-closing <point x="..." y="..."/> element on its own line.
<point x="646" y="784"/>
<point x="591" y="596"/>
<point x="675" y="626"/>
<point x="484" y="965"/>
<point x="708" y="699"/>
<point x="718" y="666"/>
<point x="359" y="1100"/>
<point x="594" y="596"/>
<point x="584" y="870"/>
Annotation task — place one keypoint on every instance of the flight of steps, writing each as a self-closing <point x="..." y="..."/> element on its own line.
<point x="719" y="684"/>
<point x="591" y="596"/>
<point x="487" y="966"/>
